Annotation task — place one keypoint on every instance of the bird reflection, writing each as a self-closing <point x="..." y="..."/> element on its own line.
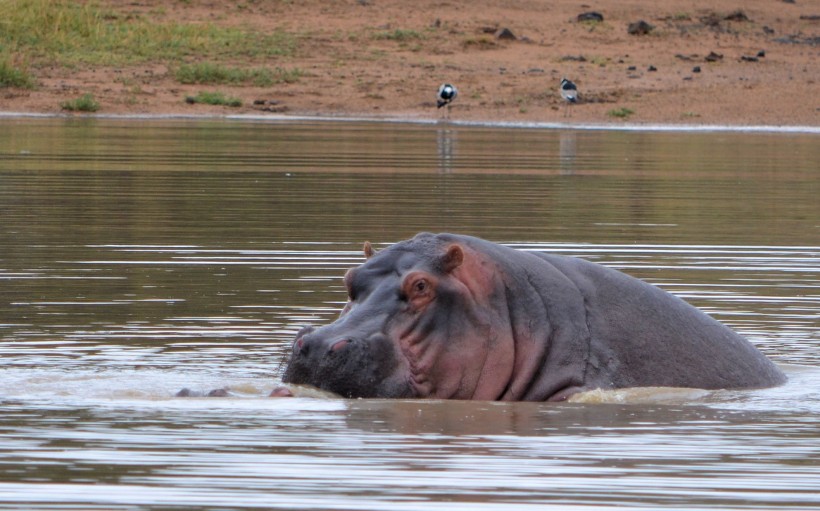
<point x="567" y="151"/>
<point x="446" y="140"/>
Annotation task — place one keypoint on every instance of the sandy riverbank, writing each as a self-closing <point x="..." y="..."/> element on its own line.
<point x="386" y="58"/>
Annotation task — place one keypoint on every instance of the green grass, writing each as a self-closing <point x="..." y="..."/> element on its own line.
<point x="68" y="33"/>
<point x="620" y="113"/>
<point x="207" y="73"/>
<point x="214" y="98"/>
<point x="483" y="42"/>
<point x="85" y="103"/>
<point x="12" y="76"/>
<point x="399" y="35"/>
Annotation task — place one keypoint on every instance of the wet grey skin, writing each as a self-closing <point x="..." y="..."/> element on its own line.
<point x="455" y="317"/>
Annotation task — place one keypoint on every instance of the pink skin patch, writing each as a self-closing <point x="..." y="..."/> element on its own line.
<point x="339" y="345"/>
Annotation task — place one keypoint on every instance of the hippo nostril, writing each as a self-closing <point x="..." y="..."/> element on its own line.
<point x="339" y="345"/>
<point x="300" y="347"/>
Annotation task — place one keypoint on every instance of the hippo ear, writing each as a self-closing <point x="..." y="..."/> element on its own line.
<point x="452" y="258"/>
<point x="368" y="250"/>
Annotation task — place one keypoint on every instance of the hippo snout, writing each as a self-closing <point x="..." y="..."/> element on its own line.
<point x="349" y="364"/>
<point x="309" y="344"/>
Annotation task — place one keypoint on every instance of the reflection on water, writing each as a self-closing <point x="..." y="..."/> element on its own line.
<point x="446" y="141"/>
<point x="138" y="258"/>
<point x="567" y="151"/>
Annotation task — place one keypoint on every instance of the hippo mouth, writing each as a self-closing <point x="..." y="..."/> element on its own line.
<point x="349" y="366"/>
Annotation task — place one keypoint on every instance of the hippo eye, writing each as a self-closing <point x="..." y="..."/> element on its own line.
<point x="418" y="289"/>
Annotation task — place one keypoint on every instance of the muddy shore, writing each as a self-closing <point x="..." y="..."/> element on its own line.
<point x="701" y="63"/>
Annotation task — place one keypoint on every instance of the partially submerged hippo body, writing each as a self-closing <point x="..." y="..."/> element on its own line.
<point x="455" y="317"/>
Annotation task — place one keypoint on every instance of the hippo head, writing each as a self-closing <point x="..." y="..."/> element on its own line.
<point x="422" y="320"/>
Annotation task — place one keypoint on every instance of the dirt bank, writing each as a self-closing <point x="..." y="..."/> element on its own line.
<point x="703" y="62"/>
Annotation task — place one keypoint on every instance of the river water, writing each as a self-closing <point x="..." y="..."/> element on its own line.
<point x="138" y="257"/>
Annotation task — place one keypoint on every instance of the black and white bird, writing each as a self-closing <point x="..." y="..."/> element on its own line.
<point x="569" y="92"/>
<point x="446" y="94"/>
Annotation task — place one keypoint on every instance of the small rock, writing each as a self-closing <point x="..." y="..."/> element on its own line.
<point x="270" y="105"/>
<point x="796" y="39"/>
<point x="652" y="68"/>
<point x="190" y="100"/>
<point x="573" y="58"/>
<point x="218" y="393"/>
<point x="713" y="57"/>
<point x="711" y="19"/>
<point x="761" y="53"/>
<point x="737" y="15"/>
<point x="696" y="69"/>
<point x="281" y="392"/>
<point x="277" y="109"/>
<point x="505" y="34"/>
<point x="632" y="68"/>
<point x="639" y="28"/>
<point x="745" y="58"/>
<point x="590" y="16"/>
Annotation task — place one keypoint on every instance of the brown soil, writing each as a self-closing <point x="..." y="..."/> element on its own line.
<point x="350" y="70"/>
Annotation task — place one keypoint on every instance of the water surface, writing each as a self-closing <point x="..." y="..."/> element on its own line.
<point x="140" y="257"/>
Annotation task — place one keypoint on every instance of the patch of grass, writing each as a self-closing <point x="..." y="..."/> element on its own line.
<point x="596" y="26"/>
<point x="67" y="33"/>
<point x="210" y="74"/>
<point x="399" y="35"/>
<point x="13" y="76"/>
<point x="214" y="98"/>
<point x="483" y="42"/>
<point x="590" y="25"/>
<point x="599" y="61"/>
<point x="377" y="54"/>
<point x="620" y="113"/>
<point x="85" y="103"/>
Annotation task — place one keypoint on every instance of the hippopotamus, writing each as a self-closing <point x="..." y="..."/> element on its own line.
<point x="449" y="316"/>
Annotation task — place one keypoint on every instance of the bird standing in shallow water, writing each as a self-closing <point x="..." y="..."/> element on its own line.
<point x="446" y="94"/>
<point x="569" y="92"/>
